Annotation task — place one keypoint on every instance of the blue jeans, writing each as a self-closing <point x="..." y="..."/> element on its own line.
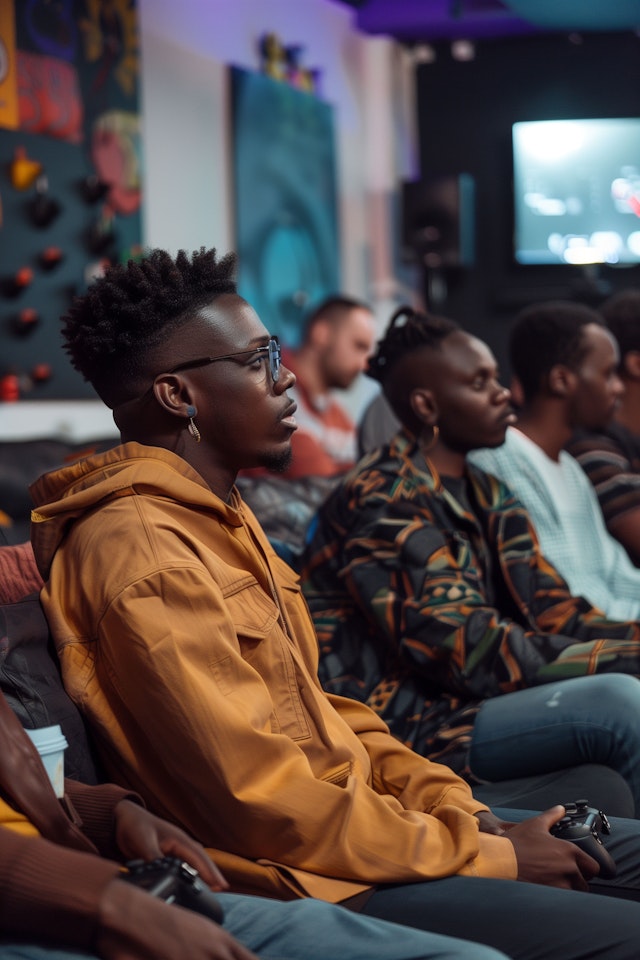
<point x="593" y="719"/>
<point x="308" y="930"/>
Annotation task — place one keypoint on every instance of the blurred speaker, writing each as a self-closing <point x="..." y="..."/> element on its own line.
<point x="438" y="221"/>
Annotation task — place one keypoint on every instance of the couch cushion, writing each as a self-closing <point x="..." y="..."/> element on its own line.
<point x="30" y="680"/>
<point x="18" y="572"/>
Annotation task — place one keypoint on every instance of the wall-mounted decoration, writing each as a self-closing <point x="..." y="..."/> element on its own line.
<point x="9" y="113"/>
<point x="26" y="321"/>
<point x="51" y="257"/>
<point x="287" y="63"/>
<point x="70" y="175"/>
<point x="16" y="283"/>
<point x="43" y="208"/>
<point x="285" y="200"/>
<point x="23" y="170"/>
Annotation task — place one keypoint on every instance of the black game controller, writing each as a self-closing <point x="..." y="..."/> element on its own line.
<point x="174" y="881"/>
<point x="583" y="825"/>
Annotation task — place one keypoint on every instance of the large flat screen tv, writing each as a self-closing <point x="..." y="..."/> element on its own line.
<point x="577" y="191"/>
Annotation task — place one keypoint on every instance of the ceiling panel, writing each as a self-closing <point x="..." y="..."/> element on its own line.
<point x="415" y="21"/>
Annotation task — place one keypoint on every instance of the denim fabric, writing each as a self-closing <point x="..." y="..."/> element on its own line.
<point x="308" y="930"/>
<point x="592" y="719"/>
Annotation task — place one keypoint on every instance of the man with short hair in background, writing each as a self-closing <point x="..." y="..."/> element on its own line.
<point x="337" y="342"/>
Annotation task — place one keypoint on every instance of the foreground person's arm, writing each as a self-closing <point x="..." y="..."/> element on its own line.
<point x="74" y="900"/>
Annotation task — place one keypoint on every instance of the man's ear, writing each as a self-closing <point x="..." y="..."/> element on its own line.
<point x="631" y="364"/>
<point x="320" y="333"/>
<point x="561" y="381"/>
<point x="172" y="393"/>
<point x="424" y="406"/>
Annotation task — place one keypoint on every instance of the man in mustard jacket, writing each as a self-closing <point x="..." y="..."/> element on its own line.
<point x="188" y="645"/>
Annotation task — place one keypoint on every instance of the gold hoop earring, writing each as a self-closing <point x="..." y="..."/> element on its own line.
<point x="191" y="427"/>
<point x="434" y="439"/>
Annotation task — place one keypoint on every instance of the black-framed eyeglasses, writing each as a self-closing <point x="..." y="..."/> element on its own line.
<point x="271" y="349"/>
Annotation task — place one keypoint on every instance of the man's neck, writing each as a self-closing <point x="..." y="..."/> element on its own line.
<point x="546" y="425"/>
<point x="447" y="462"/>
<point x="218" y="477"/>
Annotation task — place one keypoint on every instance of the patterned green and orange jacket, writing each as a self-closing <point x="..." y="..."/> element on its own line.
<point x="424" y="609"/>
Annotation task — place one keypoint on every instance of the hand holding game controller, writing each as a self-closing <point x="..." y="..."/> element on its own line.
<point x="584" y="825"/>
<point x="175" y="881"/>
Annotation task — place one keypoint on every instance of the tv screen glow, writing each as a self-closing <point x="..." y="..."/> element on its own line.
<point x="577" y="191"/>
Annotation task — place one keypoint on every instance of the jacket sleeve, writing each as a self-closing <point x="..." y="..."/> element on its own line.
<point x="422" y="591"/>
<point x="47" y="891"/>
<point x="204" y="741"/>
<point x="95" y="805"/>
<point x="416" y="782"/>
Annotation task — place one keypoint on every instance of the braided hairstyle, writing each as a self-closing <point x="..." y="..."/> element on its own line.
<point x="111" y="332"/>
<point x="408" y="333"/>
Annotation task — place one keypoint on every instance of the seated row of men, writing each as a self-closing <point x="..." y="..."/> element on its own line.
<point x="188" y="645"/>
<point x="424" y="575"/>
<point x="555" y="350"/>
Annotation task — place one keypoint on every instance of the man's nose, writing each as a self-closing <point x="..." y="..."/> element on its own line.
<point x="502" y="394"/>
<point x="285" y="381"/>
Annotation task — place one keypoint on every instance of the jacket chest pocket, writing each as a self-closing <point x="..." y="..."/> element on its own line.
<point x="264" y="646"/>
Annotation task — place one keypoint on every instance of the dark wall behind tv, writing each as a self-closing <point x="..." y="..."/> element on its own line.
<point x="465" y="113"/>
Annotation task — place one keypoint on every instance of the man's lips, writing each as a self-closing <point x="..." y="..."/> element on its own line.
<point x="288" y="418"/>
<point x="510" y="417"/>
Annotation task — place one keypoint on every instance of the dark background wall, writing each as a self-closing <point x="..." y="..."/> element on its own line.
<point x="77" y="76"/>
<point x="465" y="113"/>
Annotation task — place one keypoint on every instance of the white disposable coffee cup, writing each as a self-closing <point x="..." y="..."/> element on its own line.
<point x="51" y="744"/>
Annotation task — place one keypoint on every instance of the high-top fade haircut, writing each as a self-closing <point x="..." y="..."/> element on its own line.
<point x="544" y="335"/>
<point x="622" y="316"/>
<point x="408" y="333"/>
<point x="114" y="330"/>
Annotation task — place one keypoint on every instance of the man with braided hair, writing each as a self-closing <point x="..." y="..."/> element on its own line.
<point x="187" y="643"/>
<point x="433" y="603"/>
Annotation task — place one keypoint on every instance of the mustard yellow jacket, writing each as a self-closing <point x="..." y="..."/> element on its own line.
<point x="188" y="645"/>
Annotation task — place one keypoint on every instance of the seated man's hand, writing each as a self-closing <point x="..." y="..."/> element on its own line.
<point x="543" y="858"/>
<point x="136" y="926"/>
<point x="142" y="836"/>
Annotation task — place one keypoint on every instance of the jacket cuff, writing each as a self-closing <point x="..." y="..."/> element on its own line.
<point x="496" y="858"/>
<point x="96" y="806"/>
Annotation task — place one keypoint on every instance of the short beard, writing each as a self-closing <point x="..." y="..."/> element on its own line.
<point x="278" y="462"/>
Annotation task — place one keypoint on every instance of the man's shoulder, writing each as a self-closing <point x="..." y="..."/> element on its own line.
<point x="385" y="477"/>
<point x="495" y="491"/>
<point x="614" y="441"/>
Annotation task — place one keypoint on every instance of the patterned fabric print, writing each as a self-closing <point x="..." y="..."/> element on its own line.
<point x="395" y="577"/>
